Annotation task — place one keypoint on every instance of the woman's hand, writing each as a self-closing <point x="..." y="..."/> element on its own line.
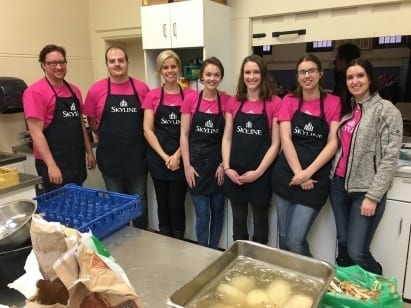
<point x="219" y="175"/>
<point x="191" y="175"/>
<point x="368" y="207"/>
<point x="308" y="185"/>
<point x="249" y="176"/>
<point x="173" y="162"/>
<point x="233" y="175"/>
<point x="300" y="177"/>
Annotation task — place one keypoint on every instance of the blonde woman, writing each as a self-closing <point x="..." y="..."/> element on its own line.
<point x="162" y="131"/>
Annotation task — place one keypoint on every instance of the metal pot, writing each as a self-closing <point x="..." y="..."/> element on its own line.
<point x="15" y="219"/>
<point x="12" y="264"/>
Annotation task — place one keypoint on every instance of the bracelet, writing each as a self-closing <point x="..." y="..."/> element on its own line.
<point x="225" y="169"/>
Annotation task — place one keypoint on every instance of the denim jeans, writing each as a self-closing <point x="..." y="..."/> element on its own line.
<point x="294" y="222"/>
<point x="209" y="211"/>
<point x="131" y="185"/>
<point x="355" y="231"/>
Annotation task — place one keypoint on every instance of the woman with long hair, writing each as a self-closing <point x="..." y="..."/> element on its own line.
<point x="370" y="138"/>
<point x="250" y="144"/>
<point x="300" y="179"/>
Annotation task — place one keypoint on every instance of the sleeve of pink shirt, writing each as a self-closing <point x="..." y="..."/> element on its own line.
<point x="91" y="101"/>
<point x="286" y="110"/>
<point x="141" y="88"/>
<point x="34" y="104"/>
<point x="187" y="105"/>
<point x="334" y="108"/>
<point x="152" y="99"/>
<point x="232" y="105"/>
<point x="224" y="100"/>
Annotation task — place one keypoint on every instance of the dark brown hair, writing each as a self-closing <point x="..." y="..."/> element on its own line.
<point x="309" y="57"/>
<point x="267" y="89"/>
<point x="347" y="104"/>
<point x="214" y="61"/>
<point x="50" y="48"/>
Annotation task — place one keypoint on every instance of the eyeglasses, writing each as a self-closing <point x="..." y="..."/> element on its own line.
<point x="53" y="64"/>
<point x="310" y="71"/>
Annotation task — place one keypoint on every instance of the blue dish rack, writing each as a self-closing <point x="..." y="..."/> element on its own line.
<point x="84" y="208"/>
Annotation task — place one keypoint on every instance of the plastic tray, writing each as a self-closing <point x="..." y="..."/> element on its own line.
<point x="84" y="208"/>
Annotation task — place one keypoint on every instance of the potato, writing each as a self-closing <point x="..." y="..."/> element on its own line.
<point x="243" y="283"/>
<point x="278" y="292"/>
<point x="257" y="298"/>
<point x="230" y="295"/>
<point x="299" y="301"/>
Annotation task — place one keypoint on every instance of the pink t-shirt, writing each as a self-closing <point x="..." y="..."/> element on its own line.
<point x="152" y="99"/>
<point x="207" y="106"/>
<point x="346" y="132"/>
<point x="255" y="107"/>
<point x="332" y="108"/>
<point x="39" y="102"/>
<point x="97" y="95"/>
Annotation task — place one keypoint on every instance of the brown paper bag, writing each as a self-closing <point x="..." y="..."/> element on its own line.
<point x="66" y="262"/>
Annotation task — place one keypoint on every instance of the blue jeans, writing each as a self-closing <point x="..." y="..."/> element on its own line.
<point x="133" y="185"/>
<point x="355" y="231"/>
<point x="294" y="222"/>
<point x="209" y="211"/>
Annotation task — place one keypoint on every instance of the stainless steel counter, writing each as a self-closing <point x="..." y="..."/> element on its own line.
<point x="10" y="158"/>
<point x="156" y="265"/>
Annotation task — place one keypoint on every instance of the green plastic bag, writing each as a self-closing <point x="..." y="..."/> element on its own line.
<point x="389" y="297"/>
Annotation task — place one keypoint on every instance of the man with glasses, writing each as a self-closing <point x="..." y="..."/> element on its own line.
<point x="114" y="113"/>
<point x="52" y="109"/>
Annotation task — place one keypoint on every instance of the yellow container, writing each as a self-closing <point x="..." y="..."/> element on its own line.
<point x="8" y="177"/>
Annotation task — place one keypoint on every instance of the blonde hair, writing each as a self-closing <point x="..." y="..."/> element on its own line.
<point x="164" y="55"/>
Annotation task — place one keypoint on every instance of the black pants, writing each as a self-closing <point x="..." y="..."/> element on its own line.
<point x="171" y="197"/>
<point x="260" y="222"/>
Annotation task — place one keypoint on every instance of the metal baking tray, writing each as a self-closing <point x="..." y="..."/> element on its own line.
<point x="308" y="269"/>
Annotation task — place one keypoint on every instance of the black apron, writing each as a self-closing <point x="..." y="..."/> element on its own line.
<point x="65" y="138"/>
<point x="122" y="149"/>
<point x="205" y="148"/>
<point x="309" y="136"/>
<point x="167" y="129"/>
<point x="250" y="141"/>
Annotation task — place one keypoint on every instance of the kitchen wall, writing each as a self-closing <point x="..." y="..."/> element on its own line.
<point x="26" y="27"/>
<point x="116" y="23"/>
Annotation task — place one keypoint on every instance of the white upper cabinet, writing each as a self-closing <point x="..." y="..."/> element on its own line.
<point x="173" y="25"/>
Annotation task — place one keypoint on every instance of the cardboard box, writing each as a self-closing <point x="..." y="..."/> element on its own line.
<point x="8" y="177"/>
<point x="154" y="2"/>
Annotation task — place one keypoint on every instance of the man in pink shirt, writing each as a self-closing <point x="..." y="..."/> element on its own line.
<point x="113" y="109"/>
<point x="52" y="108"/>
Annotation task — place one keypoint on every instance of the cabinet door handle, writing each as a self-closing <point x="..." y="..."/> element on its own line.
<point x="400" y="227"/>
<point x="297" y="32"/>
<point x="165" y="30"/>
<point x="174" y="29"/>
